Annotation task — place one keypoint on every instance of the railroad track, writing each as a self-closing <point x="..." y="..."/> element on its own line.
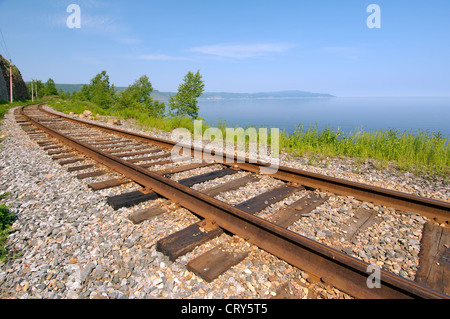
<point x="138" y="159"/>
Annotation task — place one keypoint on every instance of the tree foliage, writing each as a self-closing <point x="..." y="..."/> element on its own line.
<point x="50" y="87"/>
<point x="99" y="91"/>
<point x="43" y="89"/>
<point x="64" y="95"/>
<point x="185" y="101"/>
<point x="40" y="87"/>
<point x="138" y="96"/>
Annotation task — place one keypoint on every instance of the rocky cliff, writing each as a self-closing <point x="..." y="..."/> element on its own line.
<point x="4" y="95"/>
<point x="20" y="91"/>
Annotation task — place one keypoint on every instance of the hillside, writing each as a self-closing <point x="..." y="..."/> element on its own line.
<point x="216" y="95"/>
<point x="20" y="91"/>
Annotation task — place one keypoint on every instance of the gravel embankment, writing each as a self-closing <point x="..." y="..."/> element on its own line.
<point x="68" y="242"/>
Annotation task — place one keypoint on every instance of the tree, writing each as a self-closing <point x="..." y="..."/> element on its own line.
<point x="185" y="101"/>
<point x="40" y="87"/>
<point x="85" y="93"/>
<point x="99" y="91"/>
<point x="64" y="95"/>
<point x="138" y="96"/>
<point x="50" y="87"/>
<point x="78" y="96"/>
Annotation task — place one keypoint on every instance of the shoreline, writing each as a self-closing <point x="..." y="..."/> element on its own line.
<point x="423" y="153"/>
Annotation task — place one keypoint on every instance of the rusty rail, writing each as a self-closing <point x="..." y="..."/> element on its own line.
<point x="331" y="266"/>
<point x="431" y="208"/>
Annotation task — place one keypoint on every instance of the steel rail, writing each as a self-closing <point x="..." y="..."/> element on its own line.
<point x="329" y="265"/>
<point x="431" y="208"/>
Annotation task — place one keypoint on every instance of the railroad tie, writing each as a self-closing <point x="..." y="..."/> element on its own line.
<point x="155" y="164"/>
<point x="80" y="168"/>
<point x="45" y="143"/>
<point x="215" y="262"/>
<point x="134" y="198"/>
<point x="145" y="152"/>
<point x="120" y="150"/>
<point x="115" y="147"/>
<point x="434" y="258"/>
<point x="258" y="203"/>
<point x="58" y="157"/>
<point x="148" y="158"/>
<point x="301" y="208"/>
<point x="189" y="182"/>
<point x="145" y="214"/>
<point x="231" y="185"/>
<point x="60" y="151"/>
<point x="91" y="174"/>
<point x="283" y="292"/>
<point x="186" y="240"/>
<point x="35" y="137"/>
<point x="107" y="184"/>
<point x="183" y="168"/>
<point x="71" y="161"/>
<point x="130" y="199"/>
<point x="50" y="147"/>
<point x="103" y="141"/>
<point x="362" y="219"/>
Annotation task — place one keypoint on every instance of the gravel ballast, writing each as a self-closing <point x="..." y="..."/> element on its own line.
<point x="67" y="242"/>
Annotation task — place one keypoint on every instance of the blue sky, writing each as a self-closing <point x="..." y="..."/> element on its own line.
<point x="238" y="46"/>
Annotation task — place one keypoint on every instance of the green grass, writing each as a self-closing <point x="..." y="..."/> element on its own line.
<point x="6" y="220"/>
<point x="77" y="107"/>
<point x="3" y="110"/>
<point x="5" y="106"/>
<point x="146" y="121"/>
<point x="423" y="153"/>
<point x="143" y="120"/>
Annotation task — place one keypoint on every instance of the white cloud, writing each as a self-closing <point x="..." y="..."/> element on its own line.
<point x="242" y="51"/>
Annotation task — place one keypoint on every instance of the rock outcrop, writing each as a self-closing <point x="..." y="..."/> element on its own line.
<point x="20" y="91"/>
<point x="4" y="95"/>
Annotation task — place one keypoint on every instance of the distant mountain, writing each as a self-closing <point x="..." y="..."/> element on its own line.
<point x="69" y="87"/>
<point x="216" y="95"/>
<point x="263" y="95"/>
<point x="246" y="96"/>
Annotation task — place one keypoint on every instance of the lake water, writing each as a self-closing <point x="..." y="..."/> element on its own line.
<point x="403" y="114"/>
